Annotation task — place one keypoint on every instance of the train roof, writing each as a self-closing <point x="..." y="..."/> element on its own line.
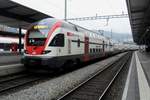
<point x="77" y="28"/>
<point x="81" y="29"/>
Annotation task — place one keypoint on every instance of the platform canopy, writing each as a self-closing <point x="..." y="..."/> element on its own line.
<point x="139" y="14"/>
<point x="16" y="15"/>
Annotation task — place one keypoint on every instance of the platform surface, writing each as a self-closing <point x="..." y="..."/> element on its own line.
<point x="137" y="84"/>
<point x="144" y="58"/>
<point x="7" y="58"/>
<point x="10" y="63"/>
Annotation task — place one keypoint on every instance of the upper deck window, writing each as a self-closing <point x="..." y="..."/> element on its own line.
<point x="40" y="29"/>
<point x="38" y="33"/>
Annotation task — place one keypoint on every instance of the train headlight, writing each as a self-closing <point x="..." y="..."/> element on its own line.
<point x="46" y="51"/>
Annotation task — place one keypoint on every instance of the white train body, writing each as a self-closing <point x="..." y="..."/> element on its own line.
<point x="53" y="42"/>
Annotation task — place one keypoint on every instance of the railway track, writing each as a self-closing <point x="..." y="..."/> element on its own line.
<point x="96" y="87"/>
<point x="12" y="82"/>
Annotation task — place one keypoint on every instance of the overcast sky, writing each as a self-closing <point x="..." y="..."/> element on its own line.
<point x="84" y="8"/>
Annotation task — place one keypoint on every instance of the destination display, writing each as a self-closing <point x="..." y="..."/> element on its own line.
<point x="40" y="27"/>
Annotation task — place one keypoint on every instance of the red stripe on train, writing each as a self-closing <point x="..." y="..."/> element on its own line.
<point x="57" y="25"/>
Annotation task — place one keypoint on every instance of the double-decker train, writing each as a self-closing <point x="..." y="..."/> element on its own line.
<point x="52" y="43"/>
<point x="9" y="44"/>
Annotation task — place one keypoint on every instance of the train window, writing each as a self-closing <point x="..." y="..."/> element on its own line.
<point x="90" y="50"/>
<point x="42" y="33"/>
<point x="58" y="40"/>
<point x="37" y="35"/>
<point x="96" y="49"/>
<point x="40" y="29"/>
<point x="78" y="42"/>
<point x="1" y="45"/>
<point x="93" y="50"/>
<point x="99" y="50"/>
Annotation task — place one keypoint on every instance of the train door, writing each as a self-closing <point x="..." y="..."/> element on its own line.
<point x="60" y="43"/>
<point x="86" y="49"/>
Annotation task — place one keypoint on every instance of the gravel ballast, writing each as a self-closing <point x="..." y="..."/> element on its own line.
<point x="57" y="86"/>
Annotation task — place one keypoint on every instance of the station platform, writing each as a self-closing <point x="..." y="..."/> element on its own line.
<point x="137" y="85"/>
<point x="9" y="58"/>
<point x="9" y="53"/>
<point x="10" y="63"/>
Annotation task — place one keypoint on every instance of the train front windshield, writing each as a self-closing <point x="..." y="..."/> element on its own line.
<point x="38" y="33"/>
<point x="37" y="37"/>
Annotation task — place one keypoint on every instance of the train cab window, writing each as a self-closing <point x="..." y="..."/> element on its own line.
<point x="37" y="37"/>
<point x="36" y="41"/>
<point x="58" y="40"/>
